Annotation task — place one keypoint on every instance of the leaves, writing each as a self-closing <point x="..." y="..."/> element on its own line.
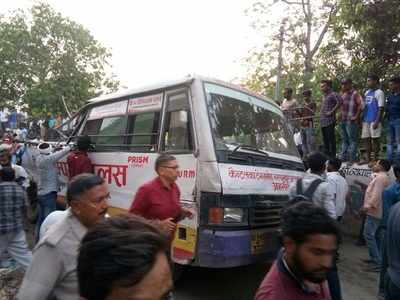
<point x="45" y="56"/>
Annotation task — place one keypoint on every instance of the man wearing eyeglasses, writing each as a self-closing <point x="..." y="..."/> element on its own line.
<point x="158" y="200"/>
<point x="52" y="272"/>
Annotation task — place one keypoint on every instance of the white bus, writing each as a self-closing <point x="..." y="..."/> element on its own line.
<point x="236" y="156"/>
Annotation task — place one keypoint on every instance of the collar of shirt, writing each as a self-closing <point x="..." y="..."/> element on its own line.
<point x="284" y="268"/>
<point x="77" y="227"/>
<point x="159" y="182"/>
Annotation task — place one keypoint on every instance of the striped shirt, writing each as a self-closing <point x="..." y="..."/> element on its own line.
<point x="12" y="200"/>
<point x="328" y="104"/>
<point x="352" y="101"/>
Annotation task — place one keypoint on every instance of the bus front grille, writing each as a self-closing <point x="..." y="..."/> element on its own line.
<point x="267" y="211"/>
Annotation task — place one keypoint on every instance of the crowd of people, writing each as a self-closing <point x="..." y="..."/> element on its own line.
<point x="372" y="112"/>
<point x="82" y="253"/>
<point x="18" y="126"/>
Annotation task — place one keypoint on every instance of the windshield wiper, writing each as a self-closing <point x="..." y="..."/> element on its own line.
<point x="251" y="149"/>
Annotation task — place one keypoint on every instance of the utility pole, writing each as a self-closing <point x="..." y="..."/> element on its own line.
<point x="279" y="70"/>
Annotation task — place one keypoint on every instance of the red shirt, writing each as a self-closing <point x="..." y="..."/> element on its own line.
<point x="154" y="201"/>
<point x="280" y="284"/>
<point x="78" y="163"/>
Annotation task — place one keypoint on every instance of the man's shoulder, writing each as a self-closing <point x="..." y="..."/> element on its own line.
<point x="273" y="287"/>
<point x="55" y="236"/>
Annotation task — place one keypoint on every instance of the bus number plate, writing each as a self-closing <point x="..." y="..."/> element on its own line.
<point x="257" y="242"/>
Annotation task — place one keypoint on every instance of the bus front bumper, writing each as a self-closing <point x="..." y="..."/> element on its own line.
<point x="223" y="249"/>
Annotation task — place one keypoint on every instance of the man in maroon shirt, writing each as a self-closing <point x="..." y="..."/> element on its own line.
<point x="310" y="239"/>
<point x="78" y="161"/>
<point x="158" y="199"/>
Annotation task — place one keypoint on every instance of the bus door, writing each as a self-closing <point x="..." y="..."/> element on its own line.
<point x="178" y="140"/>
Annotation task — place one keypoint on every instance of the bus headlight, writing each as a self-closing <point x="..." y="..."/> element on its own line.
<point x="233" y="215"/>
<point x="227" y="215"/>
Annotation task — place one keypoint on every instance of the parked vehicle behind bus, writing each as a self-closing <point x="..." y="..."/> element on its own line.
<point x="236" y="156"/>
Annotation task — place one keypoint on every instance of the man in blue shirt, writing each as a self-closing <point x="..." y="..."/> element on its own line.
<point x="391" y="195"/>
<point x="374" y="101"/>
<point x="393" y="116"/>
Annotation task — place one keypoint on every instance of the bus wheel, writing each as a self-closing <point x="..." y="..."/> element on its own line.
<point x="177" y="271"/>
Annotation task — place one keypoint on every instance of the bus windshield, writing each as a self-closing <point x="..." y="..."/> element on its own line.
<point x="240" y="119"/>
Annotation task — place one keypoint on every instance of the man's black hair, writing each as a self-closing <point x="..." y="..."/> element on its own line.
<point x="327" y="82"/>
<point x="385" y="164"/>
<point x="44" y="146"/>
<point x="373" y="77"/>
<point x="81" y="183"/>
<point x="289" y="90"/>
<point x="316" y="162"/>
<point x="83" y="143"/>
<point x="162" y="159"/>
<point x="118" y="251"/>
<point x="303" y="219"/>
<point x="7" y="174"/>
<point x="395" y="80"/>
<point x="336" y="163"/>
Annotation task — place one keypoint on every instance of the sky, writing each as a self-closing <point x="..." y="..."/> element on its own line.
<point x="159" y="40"/>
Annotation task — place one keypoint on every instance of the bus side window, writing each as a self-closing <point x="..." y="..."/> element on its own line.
<point x="107" y="133"/>
<point x="143" y="132"/>
<point x="177" y="130"/>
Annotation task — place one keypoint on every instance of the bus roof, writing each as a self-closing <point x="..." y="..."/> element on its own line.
<point x="172" y="83"/>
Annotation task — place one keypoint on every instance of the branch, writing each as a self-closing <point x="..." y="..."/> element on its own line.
<point x="324" y="30"/>
<point x="292" y="2"/>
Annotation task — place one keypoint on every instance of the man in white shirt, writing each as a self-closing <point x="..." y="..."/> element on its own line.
<point x="323" y="194"/>
<point x="339" y="186"/>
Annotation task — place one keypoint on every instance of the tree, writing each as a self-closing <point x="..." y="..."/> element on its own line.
<point x="46" y="57"/>
<point x="306" y="26"/>
<point x="369" y="34"/>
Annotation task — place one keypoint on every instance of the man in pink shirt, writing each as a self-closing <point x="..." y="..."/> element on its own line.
<point x="310" y="240"/>
<point x="373" y="209"/>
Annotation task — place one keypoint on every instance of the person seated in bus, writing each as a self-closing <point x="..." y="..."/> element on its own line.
<point x="159" y="199"/>
<point x="78" y="160"/>
<point x="124" y="257"/>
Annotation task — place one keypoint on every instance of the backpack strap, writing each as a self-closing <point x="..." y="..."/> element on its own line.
<point x="312" y="188"/>
<point x="299" y="187"/>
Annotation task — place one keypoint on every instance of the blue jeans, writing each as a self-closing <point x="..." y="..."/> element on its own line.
<point x="372" y="239"/>
<point x="308" y="140"/>
<point x="393" y="138"/>
<point x="349" y="141"/>
<point x="15" y="244"/>
<point x="46" y="205"/>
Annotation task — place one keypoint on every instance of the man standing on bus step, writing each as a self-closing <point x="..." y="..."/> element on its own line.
<point x="372" y="121"/>
<point x="330" y="104"/>
<point x="159" y="199"/>
<point x="78" y="160"/>
<point x="48" y="184"/>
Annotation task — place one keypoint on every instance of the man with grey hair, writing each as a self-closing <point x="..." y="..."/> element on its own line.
<point x="159" y="199"/>
<point x="53" y="268"/>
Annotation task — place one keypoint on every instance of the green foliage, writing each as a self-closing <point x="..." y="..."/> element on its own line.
<point x="305" y="29"/>
<point x="45" y="57"/>
<point x="369" y="32"/>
